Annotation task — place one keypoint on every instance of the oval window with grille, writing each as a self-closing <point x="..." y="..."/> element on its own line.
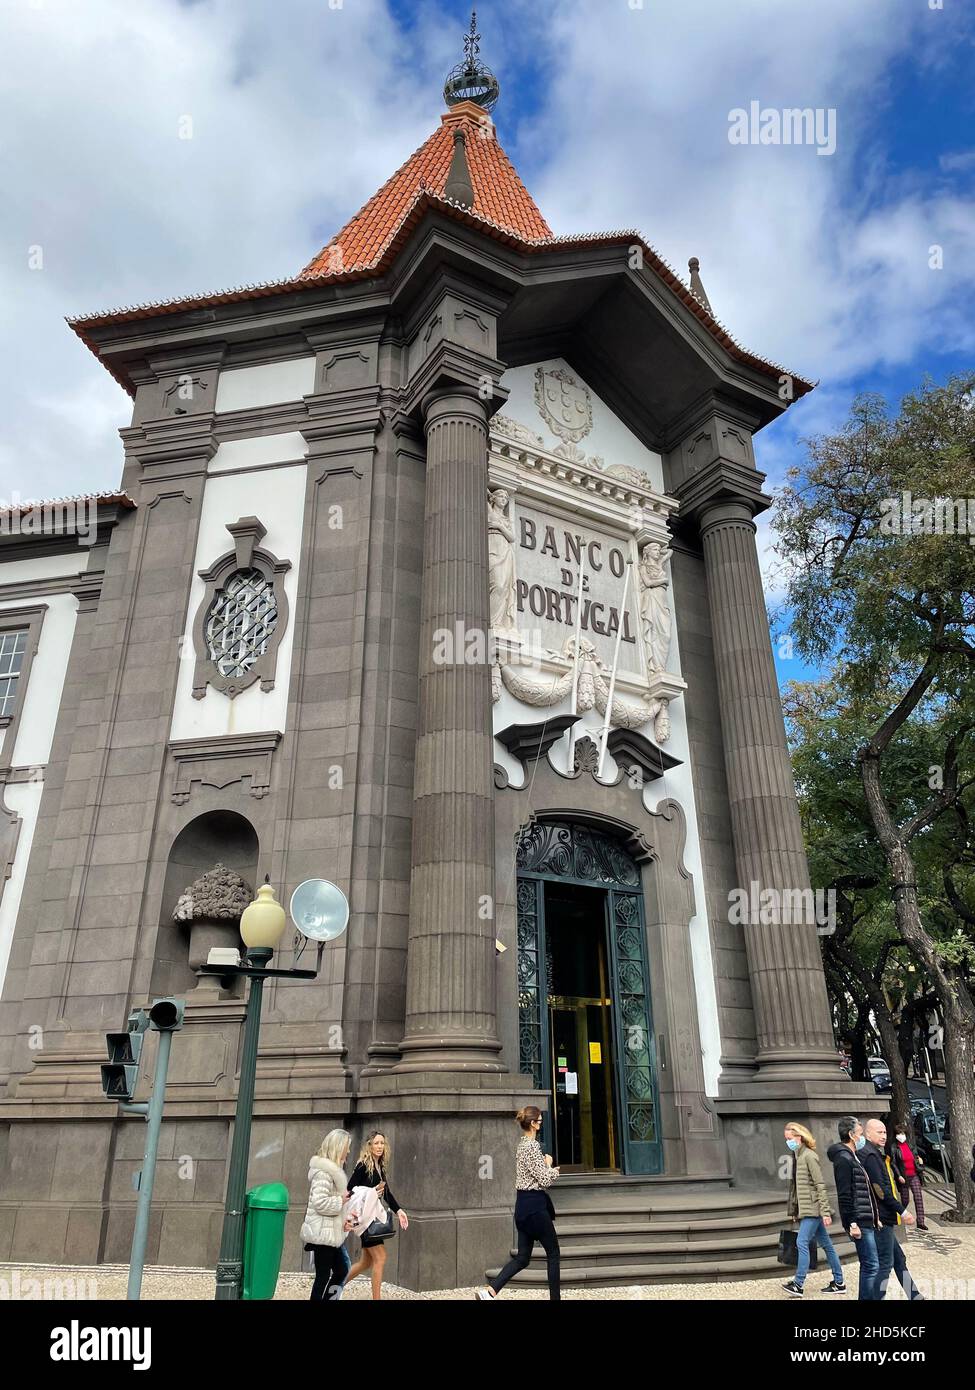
<point x="241" y="621"/>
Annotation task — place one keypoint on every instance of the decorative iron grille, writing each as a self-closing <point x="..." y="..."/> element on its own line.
<point x="241" y="620"/>
<point x="529" y="984"/>
<point x="631" y="998"/>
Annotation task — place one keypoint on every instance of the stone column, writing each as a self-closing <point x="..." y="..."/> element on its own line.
<point x="792" y="1017"/>
<point x="451" y="1009"/>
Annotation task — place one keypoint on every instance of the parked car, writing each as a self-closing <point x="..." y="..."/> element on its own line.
<point x="882" y="1083"/>
<point x="932" y="1145"/>
<point x="877" y="1064"/>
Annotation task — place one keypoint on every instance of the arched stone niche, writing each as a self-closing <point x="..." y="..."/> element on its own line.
<point x="223" y="837"/>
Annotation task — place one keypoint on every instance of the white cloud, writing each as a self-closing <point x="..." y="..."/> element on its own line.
<point x="300" y="111"/>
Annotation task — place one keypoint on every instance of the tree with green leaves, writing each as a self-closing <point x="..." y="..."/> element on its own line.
<point x="880" y="575"/>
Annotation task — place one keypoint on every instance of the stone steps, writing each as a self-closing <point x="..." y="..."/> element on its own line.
<point x="616" y="1231"/>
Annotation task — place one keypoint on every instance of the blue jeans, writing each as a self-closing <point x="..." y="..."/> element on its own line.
<point x="891" y="1257"/>
<point x="812" y="1228"/>
<point x="869" y="1264"/>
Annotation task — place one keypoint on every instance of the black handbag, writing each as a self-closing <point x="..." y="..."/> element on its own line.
<point x="788" y="1251"/>
<point x="380" y="1230"/>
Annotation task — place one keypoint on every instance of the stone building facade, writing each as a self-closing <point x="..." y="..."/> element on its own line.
<point x="331" y="627"/>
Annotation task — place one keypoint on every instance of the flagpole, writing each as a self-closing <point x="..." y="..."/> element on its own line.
<point x="612" y="675"/>
<point x="575" y="664"/>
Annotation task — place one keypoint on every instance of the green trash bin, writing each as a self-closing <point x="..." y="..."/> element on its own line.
<point x="265" y="1209"/>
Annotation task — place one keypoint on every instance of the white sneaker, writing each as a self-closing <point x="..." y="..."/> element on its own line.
<point x="485" y="1294"/>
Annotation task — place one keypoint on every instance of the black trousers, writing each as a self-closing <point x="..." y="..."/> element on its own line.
<point x="538" y="1226"/>
<point x="330" y="1270"/>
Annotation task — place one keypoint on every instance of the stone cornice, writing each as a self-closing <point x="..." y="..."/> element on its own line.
<point x="451" y="365"/>
<point x="722" y="481"/>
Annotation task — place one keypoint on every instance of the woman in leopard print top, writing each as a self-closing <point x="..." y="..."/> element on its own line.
<point x="534" y="1213"/>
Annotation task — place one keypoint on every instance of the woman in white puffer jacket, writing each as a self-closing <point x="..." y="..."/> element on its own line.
<point x="325" y="1226"/>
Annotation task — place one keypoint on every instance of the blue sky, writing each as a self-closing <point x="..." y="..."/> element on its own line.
<point x="615" y="114"/>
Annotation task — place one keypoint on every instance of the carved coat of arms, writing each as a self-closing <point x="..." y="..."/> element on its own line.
<point x="564" y="405"/>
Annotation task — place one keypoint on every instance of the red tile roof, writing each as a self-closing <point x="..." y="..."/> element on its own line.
<point x="503" y="210"/>
<point x="499" y="194"/>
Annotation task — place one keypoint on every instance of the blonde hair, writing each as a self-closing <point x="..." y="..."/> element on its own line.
<point x="366" y="1156"/>
<point x="804" y="1134"/>
<point x="335" y="1146"/>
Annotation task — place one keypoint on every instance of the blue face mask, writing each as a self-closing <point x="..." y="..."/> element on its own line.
<point x="792" y="1144"/>
<point x="861" y="1141"/>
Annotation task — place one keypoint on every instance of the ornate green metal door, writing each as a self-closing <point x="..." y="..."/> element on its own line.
<point x="578" y="854"/>
<point x="636" y="1070"/>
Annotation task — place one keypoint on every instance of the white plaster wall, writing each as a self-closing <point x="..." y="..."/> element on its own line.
<point x="278" y="501"/>
<point x="260" y="452"/>
<point x="272" y="383"/>
<point x="36" y="726"/>
<point x="46" y="682"/>
<point x="24" y="799"/>
<point x="608" y="437"/>
<point x="44" y="567"/>
<point x="611" y="438"/>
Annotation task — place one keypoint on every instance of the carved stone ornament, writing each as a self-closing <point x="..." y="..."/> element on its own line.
<point x="564" y="405"/>
<point x="655" y="614"/>
<point x="593" y="692"/>
<point x="242" y="617"/>
<point x="501" y="563"/>
<point x="211" y="908"/>
<point x="219" y="895"/>
<point x="508" y="429"/>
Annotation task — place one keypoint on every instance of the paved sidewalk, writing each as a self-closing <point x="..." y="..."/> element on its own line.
<point x="941" y="1261"/>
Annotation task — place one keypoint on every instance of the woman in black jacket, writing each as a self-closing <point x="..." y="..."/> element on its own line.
<point x="370" y="1171"/>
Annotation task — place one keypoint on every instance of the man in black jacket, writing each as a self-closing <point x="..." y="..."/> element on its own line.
<point x="858" y="1209"/>
<point x="893" y="1212"/>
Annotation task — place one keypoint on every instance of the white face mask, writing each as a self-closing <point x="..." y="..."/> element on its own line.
<point x="901" y="1138"/>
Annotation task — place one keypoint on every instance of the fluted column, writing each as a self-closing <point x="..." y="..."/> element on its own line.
<point x="792" y="1016"/>
<point x="451" y="1008"/>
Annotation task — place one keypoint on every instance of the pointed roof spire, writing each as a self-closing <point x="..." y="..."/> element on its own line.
<point x="458" y="186"/>
<point x="697" y="288"/>
<point x="472" y="80"/>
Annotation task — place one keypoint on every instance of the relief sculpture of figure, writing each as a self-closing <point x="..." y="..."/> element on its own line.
<point x="654" y="606"/>
<point x="501" y="563"/>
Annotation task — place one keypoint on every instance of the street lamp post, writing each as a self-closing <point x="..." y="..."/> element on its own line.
<point x="261" y="925"/>
<point x="317" y="915"/>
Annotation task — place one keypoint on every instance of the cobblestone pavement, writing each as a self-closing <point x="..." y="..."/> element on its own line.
<point x="941" y="1261"/>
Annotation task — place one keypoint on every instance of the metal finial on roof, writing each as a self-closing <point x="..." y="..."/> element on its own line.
<point x="472" y="80"/>
<point x="697" y="288"/>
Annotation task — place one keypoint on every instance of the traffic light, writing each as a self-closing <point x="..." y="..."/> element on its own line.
<point x="166" y="1015"/>
<point x="120" y="1076"/>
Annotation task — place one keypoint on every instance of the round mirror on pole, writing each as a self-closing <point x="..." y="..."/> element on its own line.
<point x="320" y="911"/>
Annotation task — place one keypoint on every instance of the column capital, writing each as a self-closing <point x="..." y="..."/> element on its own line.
<point x="451" y="369"/>
<point x="723" y="490"/>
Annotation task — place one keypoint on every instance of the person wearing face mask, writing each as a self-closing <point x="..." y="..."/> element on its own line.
<point x="809" y="1205"/>
<point x="907" y="1167"/>
<point x="857" y="1205"/>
